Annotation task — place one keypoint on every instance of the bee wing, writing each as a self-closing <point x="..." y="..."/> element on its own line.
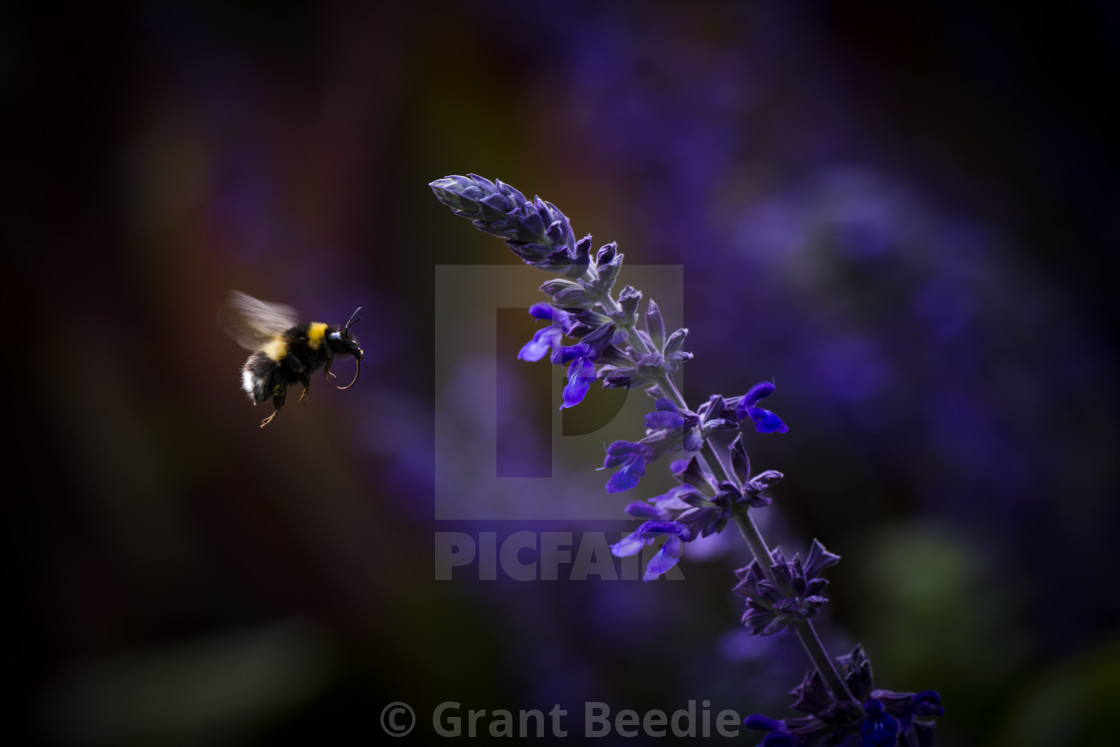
<point x="252" y="322"/>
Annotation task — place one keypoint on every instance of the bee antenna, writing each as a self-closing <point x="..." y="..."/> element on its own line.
<point x="354" y="318"/>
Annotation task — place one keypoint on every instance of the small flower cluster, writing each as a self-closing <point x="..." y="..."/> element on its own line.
<point x="789" y="596"/>
<point x="582" y="307"/>
<point x="885" y="718"/>
<point x="609" y="345"/>
<point x="671" y="428"/>
<point x="700" y="506"/>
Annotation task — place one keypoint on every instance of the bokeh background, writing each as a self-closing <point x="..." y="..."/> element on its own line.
<point x="906" y="217"/>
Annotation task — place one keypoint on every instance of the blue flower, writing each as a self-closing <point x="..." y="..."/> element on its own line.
<point x="884" y="718"/>
<point x="580" y="357"/>
<point x="764" y="420"/>
<point x="581" y="372"/>
<point x="918" y="715"/>
<point x="708" y="516"/>
<point x="926" y="706"/>
<point x="633" y="458"/>
<point x="659" y="506"/>
<point x="549" y="337"/>
<point x="682" y="426"/>
<point x="665" y="558"/>
<point x="879" y="729"/>
<point x="779" y="735"/>
<point x="665" y="415"/>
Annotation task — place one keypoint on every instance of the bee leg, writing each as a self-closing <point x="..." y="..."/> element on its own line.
<point x="327" y="369"/>
<point x="279" y="394"/>
<point x="306" y="381"/>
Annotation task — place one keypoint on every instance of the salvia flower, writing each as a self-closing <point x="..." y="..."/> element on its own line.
<point x="535" y="230"/>
<point x="611" y="346"/>
<point x="708" y="516"/>
<point x="857" y="673"/>
<point x="717" y="415"/>
<point x="668" y="556"/>
<point x="602" y="337"/>
<point x="581" y="372"/>
<point x="662" y="506"/>
<point x="884" y="719"/>
<point x="668" y="428"/>
<point x="680" y="427"/>
<point x="764" y="420"/>
<point x="631" y="459"/>
<point x="879" y="729"/>
<point x="791" y="597"/>
<point x="665" y="415"/>
<point x="546" y="338"/>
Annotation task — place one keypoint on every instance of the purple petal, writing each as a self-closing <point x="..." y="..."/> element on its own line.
<point x="766" y="421"/>
<point x="545" y="311"/>
<point x="536" y="348"/>
<point x="672" y="500"/>
<point x="643" y="510"/>
<point x="659" y="419"/>
<point x="762" y="723"/>
<point x="757" y="392"/>
<point x="580" y="375"/>
<point x="627" y="477"/>
<point x="568" y="353"/>
<point x="667" y="557"/>
<point x="620" y="451"/>
<point x="653" y="529"/>
<point x="692" y="440"/>
<point x="629" y="545"/>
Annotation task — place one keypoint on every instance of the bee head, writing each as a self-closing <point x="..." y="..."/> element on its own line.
<point x="341" y="342"/>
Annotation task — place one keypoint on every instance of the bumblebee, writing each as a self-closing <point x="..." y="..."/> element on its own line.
<point x="284" y="351"/>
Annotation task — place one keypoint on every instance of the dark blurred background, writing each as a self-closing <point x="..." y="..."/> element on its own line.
<point x="905" y="217"/>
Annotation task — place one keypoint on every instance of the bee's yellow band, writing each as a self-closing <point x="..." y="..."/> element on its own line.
<point x="276" y="349"/>
<point x="316" y="331"/>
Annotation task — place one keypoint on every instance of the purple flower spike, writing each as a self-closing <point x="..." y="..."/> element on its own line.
<point x="599" y="335"/>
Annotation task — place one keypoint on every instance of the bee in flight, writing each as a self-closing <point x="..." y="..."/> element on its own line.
<point x="285" y="352"/>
